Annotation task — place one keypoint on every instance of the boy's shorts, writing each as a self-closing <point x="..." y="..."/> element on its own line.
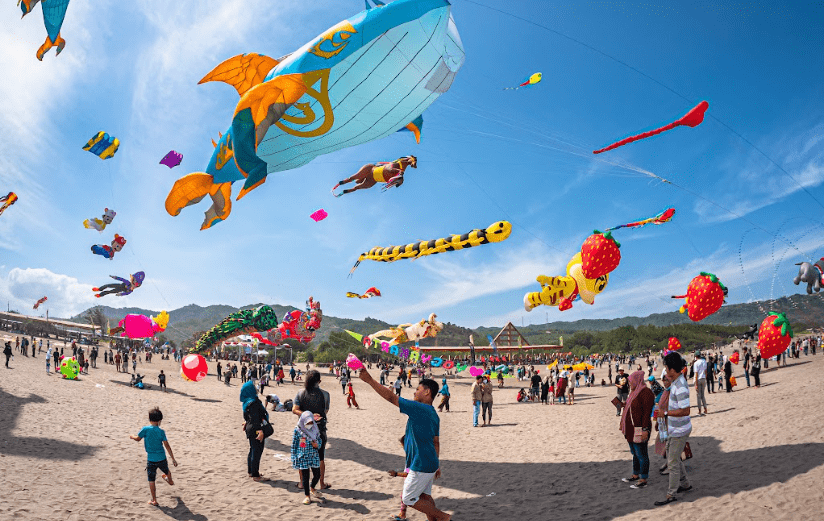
<point x="415" y="484"/>
<point x="152" y="466"/>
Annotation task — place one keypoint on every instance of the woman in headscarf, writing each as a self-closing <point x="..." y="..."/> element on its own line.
<point x="445" y="399"/>
<point x="256" y="421"/>
<point x="636" y="425"/>
<point x="305" y="444"/>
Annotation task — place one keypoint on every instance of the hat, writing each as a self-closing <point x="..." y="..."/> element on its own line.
<point x="651" y="378"/>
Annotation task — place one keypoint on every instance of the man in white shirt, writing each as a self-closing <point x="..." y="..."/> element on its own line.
<point x="699" y="368"/>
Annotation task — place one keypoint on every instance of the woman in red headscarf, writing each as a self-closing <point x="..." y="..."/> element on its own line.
<point x="636" y="424"/>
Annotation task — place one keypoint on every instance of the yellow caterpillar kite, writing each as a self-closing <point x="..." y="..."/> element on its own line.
<point x="496" y="232"/>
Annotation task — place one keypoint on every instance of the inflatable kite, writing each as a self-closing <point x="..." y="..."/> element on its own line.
<point x="564" y="290"/>
<point x="102" y="145"/>
<point x="262" y="318"/>
<point x="416" y="126"/>
<point x="534" y="79"/>
<point x="100" y="224"/>
<point x="319" y="215"/>
<point x="6" y="201"/>
<point x="600" y="255"/>
<point x="125" y="287"/>
<point x="172" y="159"/>
<point x="37" y="304"/>
<point x="811" y="274"/>
<point x="373" y="173"/>
<point x="496" y="232"/>
<point x="371" y="292"/>
<point x="427" y="328"/>
<point x="735" y="358"/>
<point x="297" y="325"/>
<point x="193" y="368"/>
<point x="774" y="335"/>
<point x="705" y="295"/>
<point x="663" y="217"/>
<point x="693" y="118"/>
<point x="673" y="344"/>
<point x="360" y="80"/>
<point x="54" y="11"/>
<point x="109" y="251"/>
<point x="141" y="326"/>
<point x="69" y="368"/>
<point x="750" y="334"/>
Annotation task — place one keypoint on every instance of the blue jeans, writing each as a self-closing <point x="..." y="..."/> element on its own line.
<point x="476" y="410"/>
<point x="747" y="376"/>
<point x="640" y="459"/>
<point x="562" y="398"/>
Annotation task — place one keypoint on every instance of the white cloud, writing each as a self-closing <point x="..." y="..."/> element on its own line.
<point x="21" y="288"/>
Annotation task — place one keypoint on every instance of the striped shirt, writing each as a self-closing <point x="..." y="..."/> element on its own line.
<point x="679" y="399"/>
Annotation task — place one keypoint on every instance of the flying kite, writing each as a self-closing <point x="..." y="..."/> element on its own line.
<point x="372" y="174"/>
<point x="693" y="118"/>
<point x="534" y="79"/>
<point x="100" y="224"/>
<point x="141" y="326"/>
<point x="261" y="318"/>
<point x="7" y="200"/>
<point x="371" y="292"/>
<point x="361" y="80"/>
<point x="663" y="217"/>
<point x="774" y="335"/>
<point x="102" y="145"/>
<point x="125" y="287"/>
<point x="416" y="126"/>
<point x="37" y="304"/>
<point x="705" y="295"/>
<point x="562" y="291"/>
<point x="54" y="11"/>
<point x="298" y="325"/>
<point x="496" y="232"/>
<point x="319" y="215"/>
<point x="427" y="328"/>
<point x="172" y="159"/>
<point x="109" y="251"/>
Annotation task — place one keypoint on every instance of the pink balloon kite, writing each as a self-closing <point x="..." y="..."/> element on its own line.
<point x="476" y="371"/>
<point x="353" y="362"/>
<point x="319" y="215"/>
<point x="194" y="368"/>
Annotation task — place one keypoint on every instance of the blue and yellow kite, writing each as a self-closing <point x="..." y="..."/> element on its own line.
<point x="102" y="145"/>
<point x="54" y="11"/>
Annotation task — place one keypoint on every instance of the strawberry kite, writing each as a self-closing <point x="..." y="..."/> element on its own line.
<point x="774" y="335"/>
<point x="599" y="255"/>
<point x="705" y="295"/>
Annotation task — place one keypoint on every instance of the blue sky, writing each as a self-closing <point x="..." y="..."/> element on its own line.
<point x="131" y="69"/>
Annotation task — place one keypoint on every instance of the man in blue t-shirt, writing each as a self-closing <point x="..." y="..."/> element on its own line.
<point x="421" y="444"/>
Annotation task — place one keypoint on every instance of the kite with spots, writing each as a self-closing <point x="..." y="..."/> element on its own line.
<point x="705" y="295"/>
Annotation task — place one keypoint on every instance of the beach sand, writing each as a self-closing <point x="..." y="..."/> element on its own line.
<point x="65" y="452"/>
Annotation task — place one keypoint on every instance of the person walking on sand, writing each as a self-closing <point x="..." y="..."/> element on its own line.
<point x="315" y="400"/>
<point x="306" y="443"/>
<point x="728" y="374"/>
<point x="700" y="370"/>
<point x="477" y="396"/>
<point x="444" y="392"/>
<point x="154" y="441"/>
<point x="679" y="426"/>
<point x="622" y="384"/>
<point x="350" y="397"/>
<point x="421" y="444"/>
<point x="636" y="425"/>
<point x="486" y="400"/>
<point x="255" y="425"/>
<point x="8" y="352"/>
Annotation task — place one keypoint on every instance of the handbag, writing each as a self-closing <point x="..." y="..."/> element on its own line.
<point x="732" y="381"/>
<point x="268" y="430"/>
<point x="617" y="402"/>
<point x="687" y="454"/>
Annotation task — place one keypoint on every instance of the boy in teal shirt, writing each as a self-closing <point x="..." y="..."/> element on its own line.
<point x="154" y="439"/>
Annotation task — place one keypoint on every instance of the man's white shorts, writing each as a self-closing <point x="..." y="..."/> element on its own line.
<point x="415" y="484"/>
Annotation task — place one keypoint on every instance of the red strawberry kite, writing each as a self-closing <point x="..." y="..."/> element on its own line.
<point x="673" y="344"/>
<point x="774" y="335"/>
<point x="693" y="118"/>
<point x="599" y="255"/>
<point x="705" y="295"/>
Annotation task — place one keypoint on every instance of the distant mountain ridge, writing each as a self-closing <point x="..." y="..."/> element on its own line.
<point x="186" y="321"/>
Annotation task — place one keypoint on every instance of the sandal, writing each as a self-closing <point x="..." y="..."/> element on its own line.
<point x="630" y="479"/>
<point x="667" y="501"/>
<point x="325" y="486"/>
<point x="307" y="501"/>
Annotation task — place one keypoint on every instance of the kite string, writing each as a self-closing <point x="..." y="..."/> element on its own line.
<point x="660" y="83"/>
<point x="744" y="274"/>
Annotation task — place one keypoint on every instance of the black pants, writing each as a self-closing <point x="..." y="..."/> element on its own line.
<point x="711" y="383"/>
<point x="729" y="384"/>
<point x="253" y="460"/>
<point x="304" y="475"/>
<point x="486" y="407"/>
<point x="108" y="289"/>
<point x="756" y="376"/>
<point x="7" y="360"/>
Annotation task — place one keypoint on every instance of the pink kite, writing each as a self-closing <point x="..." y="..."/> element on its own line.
<point x="476" y="371"/>
<point x="172" y="159"/>
<point x="353" y="362"/>
<point x="319" y="215"/>
<point x="693" y="118"/>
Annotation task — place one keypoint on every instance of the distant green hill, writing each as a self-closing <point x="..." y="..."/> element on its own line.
<point x="186" y="321"/>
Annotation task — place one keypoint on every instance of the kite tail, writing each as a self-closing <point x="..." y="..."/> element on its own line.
<point x="355" y="266"/>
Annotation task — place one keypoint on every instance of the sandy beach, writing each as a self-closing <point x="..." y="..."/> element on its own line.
<point x="65" y="452"/>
